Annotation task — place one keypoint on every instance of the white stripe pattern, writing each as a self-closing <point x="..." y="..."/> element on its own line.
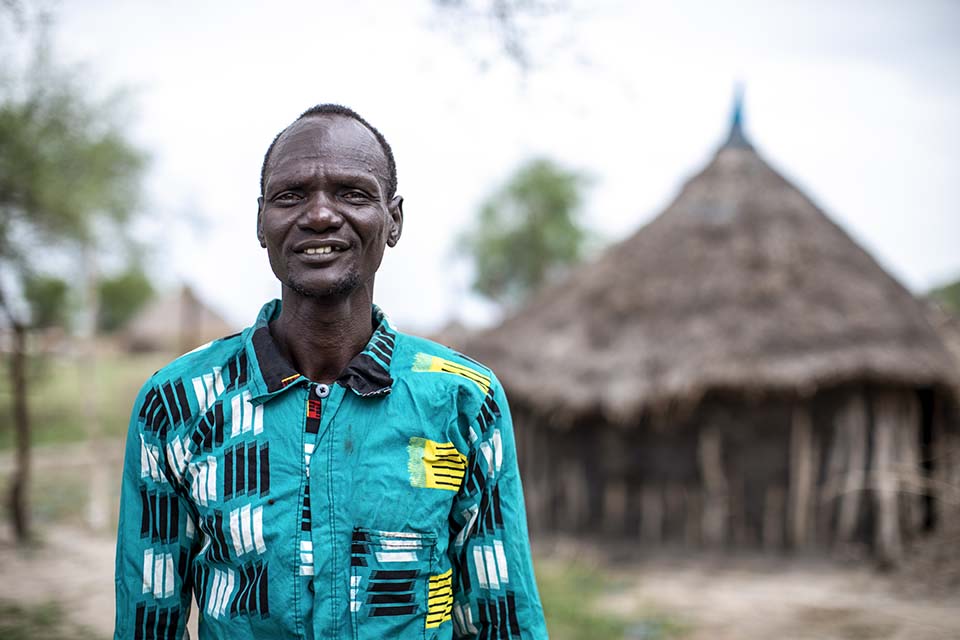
<point x="204" y="487"/>
<point x="490" y="562"/>
<point x="149" y="461"/>
<point x="354" y="589"/>
<point x="487" y="452"/>
<point x="470" y="517"/>
<point x="180" y="457"/>
<point x="306" y="558"/>
<point x="308" y="448"/>
<point x="246" y="530"/>
<point x="207" y="388"/>
<point x="501" y="557"/>
<point x="463" y="616"/>
<point x="158" y="574"/>
<point x="221" y="589"/>
<point x="245" y="417"/>
<point x="396" y="556"/>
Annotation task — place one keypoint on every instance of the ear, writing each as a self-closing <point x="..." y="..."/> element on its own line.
<point x="263" y="241"/>
<point x="395" y="209"/>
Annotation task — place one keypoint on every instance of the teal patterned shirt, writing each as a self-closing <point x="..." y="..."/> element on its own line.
<point x="385" y="505"/>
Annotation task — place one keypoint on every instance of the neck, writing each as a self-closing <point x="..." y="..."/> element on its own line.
<point x="318" y="336"/>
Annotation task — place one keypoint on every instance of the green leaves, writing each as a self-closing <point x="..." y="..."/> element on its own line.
<point x="63" y="163"/>
<point x="121" y="297"/>
<point x="69" y="177"/>
<point x="527" y="231"/>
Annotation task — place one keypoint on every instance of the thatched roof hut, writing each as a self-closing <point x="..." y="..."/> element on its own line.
<point x="742" y="303"/>
<point x="176" y="322"/>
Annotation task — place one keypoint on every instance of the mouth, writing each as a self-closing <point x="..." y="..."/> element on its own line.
<point x="319" y="251"/>
<point x="320" y="248"/>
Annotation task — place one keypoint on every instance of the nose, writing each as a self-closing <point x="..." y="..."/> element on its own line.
<point x="320" y="214"/>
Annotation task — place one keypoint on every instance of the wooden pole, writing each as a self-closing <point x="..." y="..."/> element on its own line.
<point x="673" y="500"/>
<point x="651" y="514"/>
<point x="888" y="542"/>
<point x="710" y="455"/>
<point x="774" y="518"/>
<point x="694" y="516"/>
<point x="852" y="421"/>
<point x="911" y="478"/>
<point x="802" y="477"/>
<point x="615" y="507"/>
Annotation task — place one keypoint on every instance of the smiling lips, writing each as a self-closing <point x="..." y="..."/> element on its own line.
<point x="315" y="248"/>
<point x="312" y="251"/>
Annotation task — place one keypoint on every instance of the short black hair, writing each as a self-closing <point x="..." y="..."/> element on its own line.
<point x="347" y="112"/>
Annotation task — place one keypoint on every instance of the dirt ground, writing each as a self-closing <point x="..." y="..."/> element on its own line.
<point x="720" y="599"/>
<point x="738" y="598"/>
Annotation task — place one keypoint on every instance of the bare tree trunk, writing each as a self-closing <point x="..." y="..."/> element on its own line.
<point x="19" y="485"/>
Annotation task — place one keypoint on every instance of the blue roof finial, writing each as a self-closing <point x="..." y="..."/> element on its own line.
<point x="736" y="139"/>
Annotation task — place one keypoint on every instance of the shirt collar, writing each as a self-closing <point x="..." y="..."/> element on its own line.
<point x="367" y="374"/>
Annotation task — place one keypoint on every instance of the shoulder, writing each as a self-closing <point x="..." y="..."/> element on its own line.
<point x="217" y="355"/>
<point x="420" y="355"/>
<point x="450" y="381"/>
<point x="178" y="393"/>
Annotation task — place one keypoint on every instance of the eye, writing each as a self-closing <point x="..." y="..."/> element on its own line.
<point x="354" y="195"/>
<point x="287" y="197"/>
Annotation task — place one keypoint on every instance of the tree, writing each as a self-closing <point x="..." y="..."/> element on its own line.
<point x="527" y="231"/>
<point x="46" y="298"/>
<point x="69" y="179"/>
<point x="949" y="296"/>
<point x="121" y="297"/>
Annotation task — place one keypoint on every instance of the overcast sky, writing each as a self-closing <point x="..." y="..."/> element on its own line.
<point x="856" y="102"/>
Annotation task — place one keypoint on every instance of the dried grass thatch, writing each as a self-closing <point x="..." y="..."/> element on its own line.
<point x="178" y="321"/>
<point x="742" y="284"/>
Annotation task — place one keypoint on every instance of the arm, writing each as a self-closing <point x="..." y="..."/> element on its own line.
<point x="495" y="592"/>
<point x="155" y="535"/>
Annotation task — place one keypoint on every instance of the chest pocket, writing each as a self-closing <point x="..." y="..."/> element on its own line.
<point x="389" y="583"/>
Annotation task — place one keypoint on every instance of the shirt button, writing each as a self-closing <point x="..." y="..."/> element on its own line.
<point x="322" y="390"/>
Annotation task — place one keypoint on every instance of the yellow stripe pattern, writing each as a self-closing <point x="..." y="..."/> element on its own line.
<point x="440" y="599"/>
<point x="425" y="363"/>
<point x="435" y="465"/>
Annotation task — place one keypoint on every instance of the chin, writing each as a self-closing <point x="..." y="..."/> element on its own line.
<point x="340" y="288"/>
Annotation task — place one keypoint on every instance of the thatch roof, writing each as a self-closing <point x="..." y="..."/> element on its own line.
<point x="178" y="321"/>
<point x="742" y="284"/>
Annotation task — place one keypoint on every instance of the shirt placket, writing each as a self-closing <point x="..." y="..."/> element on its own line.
<point x="320" y="559"/>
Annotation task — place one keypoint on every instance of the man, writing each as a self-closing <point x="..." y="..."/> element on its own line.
<point x="322" y="475"/>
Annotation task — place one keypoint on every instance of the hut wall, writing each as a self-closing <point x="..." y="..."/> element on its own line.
<point x="843" y="467"/>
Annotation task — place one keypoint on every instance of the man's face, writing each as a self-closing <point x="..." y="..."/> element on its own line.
<point x="324" y="217"/>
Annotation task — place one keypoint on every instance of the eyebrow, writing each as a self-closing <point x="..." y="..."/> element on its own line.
<point x="299" y="180"/>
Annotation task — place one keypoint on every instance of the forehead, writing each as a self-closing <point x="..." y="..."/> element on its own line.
<point x="332" y="141"/>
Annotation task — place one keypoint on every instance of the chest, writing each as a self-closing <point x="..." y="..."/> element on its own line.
<point x="392" y="463"/>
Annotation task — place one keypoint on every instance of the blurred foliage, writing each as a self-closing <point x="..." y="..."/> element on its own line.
<point x="121" y="297"/>
<point x="527" y="231"/>
<point x="949" y="296"/>
<point x="47" y="298"/>
<point x="59" y="386"/>
<point x="38" y="622"/>
<point x="572" y="595"/>
<point x="69" y="177"/>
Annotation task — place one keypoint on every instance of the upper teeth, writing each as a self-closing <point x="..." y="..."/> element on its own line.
<point x="313" y="250"/>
